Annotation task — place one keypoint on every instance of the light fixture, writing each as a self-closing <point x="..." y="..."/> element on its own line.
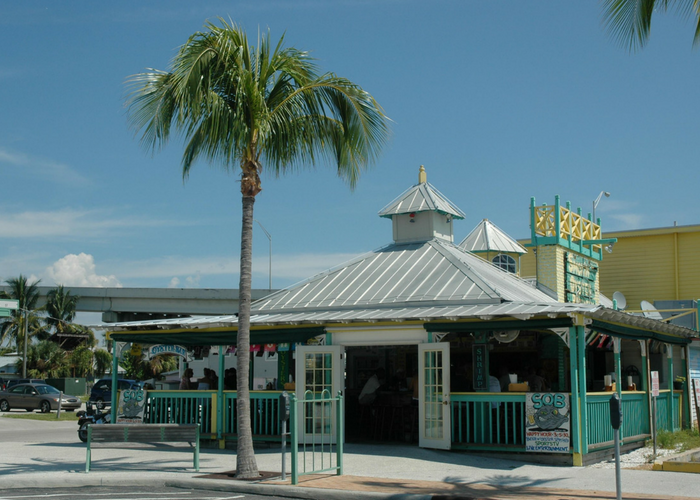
<point x="412" y="216"/>
<point x="595" y="203"/>
<point x="609" y="247"/>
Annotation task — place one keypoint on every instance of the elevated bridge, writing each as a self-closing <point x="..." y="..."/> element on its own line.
<point x="136" y="304"/>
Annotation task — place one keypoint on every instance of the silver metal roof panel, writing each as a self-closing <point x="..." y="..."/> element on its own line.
<point x="487" y="237"/>
<point x="422" y="197"/>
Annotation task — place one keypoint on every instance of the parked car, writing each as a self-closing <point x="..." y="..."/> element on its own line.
<point x="15" y="381"/>
<point x="3" y="384"/>
<point x="101" y="393"/>
<point x="32" y="397"/>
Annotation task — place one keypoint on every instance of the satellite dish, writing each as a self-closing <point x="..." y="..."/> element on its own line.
<point x="506" y="336"/>
<point x="621" y="300"/>
<point x="649" y="311"/>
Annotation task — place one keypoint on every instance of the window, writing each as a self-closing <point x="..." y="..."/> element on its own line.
<point x="505" y="262"/>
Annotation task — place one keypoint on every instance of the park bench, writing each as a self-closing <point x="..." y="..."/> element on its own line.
<point x="142" y="436"/>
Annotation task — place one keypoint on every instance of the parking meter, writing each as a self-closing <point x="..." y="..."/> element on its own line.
<point x="615" y="411"/>
<point x="284" y="406"/>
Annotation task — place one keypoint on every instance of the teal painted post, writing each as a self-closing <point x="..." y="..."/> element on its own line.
<point x="533" y="234"/>
<point x="643" y="385"/>
<point x="294" y="431"/>
<point x="339" y="437"/>
<point x="575" y="411"/>
<point x="115" y="385"/>
<point x="557" y="218"/>
<point x="686" y="387"/>
<point x="669" y="356"/>
<point x="571" y="233"/>
<point x="581" y="351"/>
<point x="220" y="424"/>
<point x="196" y="451"/>
<point x="88" y="457"/>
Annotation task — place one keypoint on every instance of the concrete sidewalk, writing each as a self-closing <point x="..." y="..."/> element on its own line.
<point x="381" y="471"/>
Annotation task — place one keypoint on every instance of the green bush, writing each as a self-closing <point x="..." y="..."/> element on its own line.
<point x="685" y="439"/>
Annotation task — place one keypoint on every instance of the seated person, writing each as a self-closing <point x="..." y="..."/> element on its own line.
<point x="369" y="391"/>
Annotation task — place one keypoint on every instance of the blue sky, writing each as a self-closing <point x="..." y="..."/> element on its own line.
<point x="501" y="101"/>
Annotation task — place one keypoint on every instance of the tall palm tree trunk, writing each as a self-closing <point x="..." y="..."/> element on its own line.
<point x="246" y="465"/>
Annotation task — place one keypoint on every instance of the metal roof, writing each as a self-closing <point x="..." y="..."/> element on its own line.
<point x="422" y="197"/>
<point x="487" y="237"/>
<point x="411" y="274"/>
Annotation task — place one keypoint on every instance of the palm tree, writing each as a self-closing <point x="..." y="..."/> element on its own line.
<point x="13" y="329"/>
<point x="46" y="360"/>
<point x="103" y="362"/>
<point x="242" y="106"/>
<point x="630" y="20"/>
<point x="60" y="307"/>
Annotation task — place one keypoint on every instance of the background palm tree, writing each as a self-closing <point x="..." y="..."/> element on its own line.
<point x="247" y="107"/>
<point x="60" y="308"/>
<point x="103" y="362"/>
<point x="12" y="330"/>
<point x="630" y="20"/>
<point x="46" y="360"/>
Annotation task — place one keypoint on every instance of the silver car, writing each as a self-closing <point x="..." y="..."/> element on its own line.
<point x="32" y="397"/>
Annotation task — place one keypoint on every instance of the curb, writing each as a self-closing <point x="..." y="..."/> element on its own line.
<point x="290" y="491"/>
<point x="81" y="479"/>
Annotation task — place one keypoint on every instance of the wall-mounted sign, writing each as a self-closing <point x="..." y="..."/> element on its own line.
<point x="480" y="362"/>
<point x="176" y="350"/>
<point x="655" y="384"/>
<point x="580" y="277"/>
<point x="548" y="422"/>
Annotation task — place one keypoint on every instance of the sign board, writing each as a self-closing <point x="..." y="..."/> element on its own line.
<point x="176" y="350"/>
<point x="548" y="422"/>
<point x="7" y="306"/>
<point x="655" y="384"/>
<point x="11" y="304"/>
<point x="132" y="404"/>
<point x="481" y="367"/>
<point x="580" y="274"/>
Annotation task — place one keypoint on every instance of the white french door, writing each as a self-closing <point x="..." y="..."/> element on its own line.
<point x="320" y="373"/>
<point x="434" y="397"/>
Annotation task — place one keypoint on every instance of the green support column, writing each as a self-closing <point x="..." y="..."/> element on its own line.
<point x="575" y="403"/>
<point x="220" y="402"/>
<point x="669" y="357"/>
<point x="643" y="384"/>
<point x="581" y="351"/>
<point x="115" y="369"/>
<point x="686" y="387"/>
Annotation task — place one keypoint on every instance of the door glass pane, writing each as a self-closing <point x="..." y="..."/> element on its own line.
<point x="433" y="390"/>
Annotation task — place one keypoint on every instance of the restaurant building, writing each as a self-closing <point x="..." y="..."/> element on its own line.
<point x="469" y="355"/>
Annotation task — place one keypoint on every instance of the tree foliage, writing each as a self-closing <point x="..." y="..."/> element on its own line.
<point x="629" y="21"/>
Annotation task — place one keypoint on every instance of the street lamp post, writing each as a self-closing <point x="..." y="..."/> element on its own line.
<point x="270" y="240"/>
<point x="595" y="204"/>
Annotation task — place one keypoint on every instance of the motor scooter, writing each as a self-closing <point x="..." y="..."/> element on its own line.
<point x="91" y="415"/>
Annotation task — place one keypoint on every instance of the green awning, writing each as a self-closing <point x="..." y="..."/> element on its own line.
<point x="220" y="336"/>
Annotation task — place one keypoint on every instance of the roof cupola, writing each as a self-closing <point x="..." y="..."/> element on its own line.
<point x="421" y="213"/>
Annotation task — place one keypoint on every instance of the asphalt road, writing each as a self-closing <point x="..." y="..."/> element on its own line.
<point x="126" y="493"/>
<point x="25" y="430"/>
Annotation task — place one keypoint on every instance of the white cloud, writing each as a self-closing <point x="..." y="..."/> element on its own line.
<point x="629" y="221"/>
<point x="71" y="223"/>
<point x="79" y="270"/>
<point x="174" y="282"/>
<point x="39" y="168"/>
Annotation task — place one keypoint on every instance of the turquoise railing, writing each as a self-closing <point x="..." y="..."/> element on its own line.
<point x="264" y="409"/>
<point x="198" y="407"/>
<point x="181" y="407"/>
<point x="635" y="420"/>
<point x="488" y="421"/>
